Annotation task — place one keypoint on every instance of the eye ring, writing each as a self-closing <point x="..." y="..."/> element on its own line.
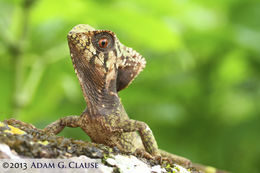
<point x="103" y="43"/>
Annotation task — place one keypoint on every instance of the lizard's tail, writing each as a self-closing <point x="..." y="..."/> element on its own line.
<point x="187" y="163"/>
<point x="207" y="169"/>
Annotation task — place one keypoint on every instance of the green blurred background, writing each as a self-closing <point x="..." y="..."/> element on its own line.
<point x="200" y="90"/>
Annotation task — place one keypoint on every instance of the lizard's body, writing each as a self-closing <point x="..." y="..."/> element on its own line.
<point x="104" y="66"/>
<point x="102" y="72"/>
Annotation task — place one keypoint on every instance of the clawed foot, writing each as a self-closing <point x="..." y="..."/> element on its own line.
<point x="156" y="157"/>
<point x="164" y="158"/>
<point x="177" y="160"/>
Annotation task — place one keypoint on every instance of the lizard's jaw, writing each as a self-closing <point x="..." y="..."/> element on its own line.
<point x="97" y="83"/>
<point x="99" y="67"/>
<point x="94" y="59"/>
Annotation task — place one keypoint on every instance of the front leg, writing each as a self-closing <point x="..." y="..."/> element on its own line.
<point x="144" y="131"/>
<point x="149" y="141"/>
<point x="57" y="126"/>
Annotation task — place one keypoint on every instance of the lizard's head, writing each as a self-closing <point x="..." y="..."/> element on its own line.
<point x="101" y="61"/>
<point x="94" y="55"/>
<point x="92" y="49"/>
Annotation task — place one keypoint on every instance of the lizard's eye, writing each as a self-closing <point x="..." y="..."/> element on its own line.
<point x="103" y="42"/>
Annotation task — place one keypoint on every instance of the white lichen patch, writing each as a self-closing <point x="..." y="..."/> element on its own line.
<point x="130" y="164"/>
<point x="157" y="168"/>
<point x="5" y="150"/>
<point x="100" y="169"/>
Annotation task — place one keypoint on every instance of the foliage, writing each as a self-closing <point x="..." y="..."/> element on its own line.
<point x="200" y="90"/>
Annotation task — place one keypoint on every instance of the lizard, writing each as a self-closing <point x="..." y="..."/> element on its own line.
<point x="104" y="66"/>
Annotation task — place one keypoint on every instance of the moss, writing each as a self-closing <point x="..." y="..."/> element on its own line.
<point x="210" y="169"/>
<point x="43" y="142"/>
<point x="34" y="143"/>
<point x="15" y="130"/>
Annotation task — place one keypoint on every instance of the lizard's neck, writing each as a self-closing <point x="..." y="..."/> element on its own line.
<point x="99" y="89"/>
<point x="100" y="100"/>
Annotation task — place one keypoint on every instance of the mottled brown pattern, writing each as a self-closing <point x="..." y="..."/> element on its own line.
<point x="104" y="66"/>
